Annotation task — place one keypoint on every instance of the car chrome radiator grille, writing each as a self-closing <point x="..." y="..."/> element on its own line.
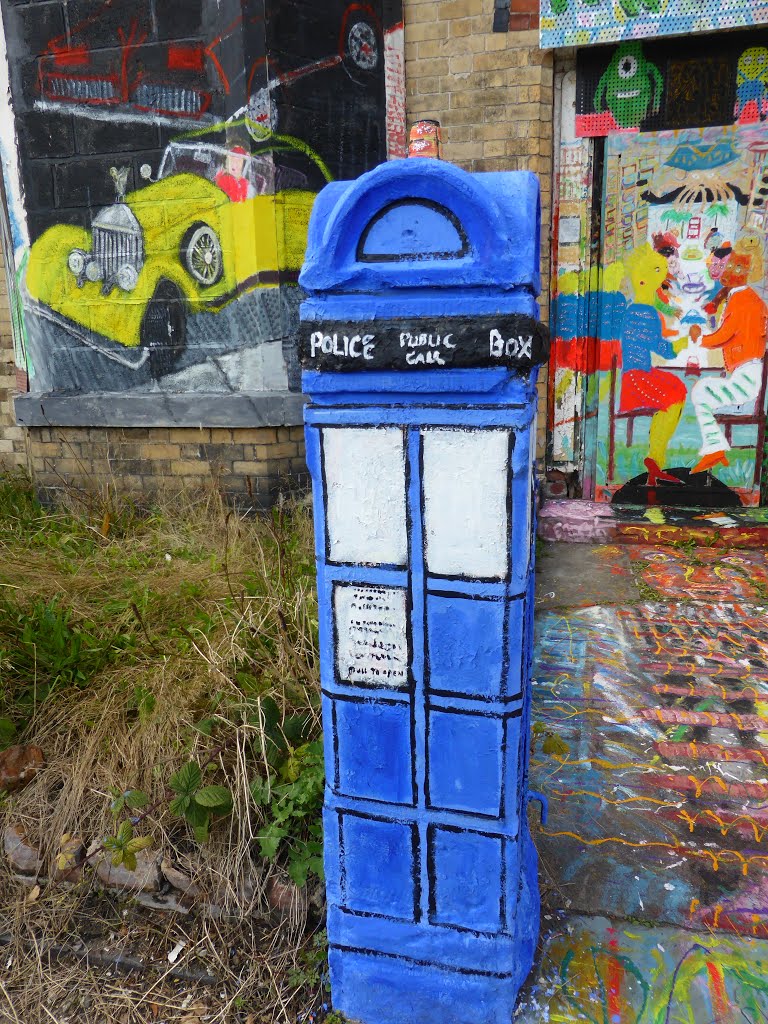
<point x="170" y="98"/>
<point x="113" y="249"/>
<point x="87" y="90"/>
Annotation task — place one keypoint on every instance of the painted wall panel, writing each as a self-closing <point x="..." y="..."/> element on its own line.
<point x="466" y="476"/>
<point x="584" y="22"/>
<point x="168" y="156"/>
<point x="365" y="471"/>
<point x="682" y="321"/>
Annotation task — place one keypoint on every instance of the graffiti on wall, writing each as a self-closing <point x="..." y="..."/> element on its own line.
<point x="652" y="85"/>
<point x="585" y="22"/>
<point x="169" y="156"/>
<point x="673" y="340"/>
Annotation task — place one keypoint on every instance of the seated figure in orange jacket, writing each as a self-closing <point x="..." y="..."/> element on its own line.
<point x="741" y="337"/>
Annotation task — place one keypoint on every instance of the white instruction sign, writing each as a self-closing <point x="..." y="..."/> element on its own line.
<point x="371" y="636"/>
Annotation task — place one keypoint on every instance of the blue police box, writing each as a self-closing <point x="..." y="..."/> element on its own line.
<point x="420" y="343"/>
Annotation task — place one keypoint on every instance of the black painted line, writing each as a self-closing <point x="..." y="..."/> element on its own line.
<point x="473" y="713"/>
<point x="483" y="698"/>
<point x="416" y="873"/>
<point x="368" y="701"/>
<point x="444" y="211"/>
<point x="511" y="440"/>
<point x="448" y="968"/>
<point x="336" y="763"/>
<point x="324" y="478"/>
<point x="468" y="597"/>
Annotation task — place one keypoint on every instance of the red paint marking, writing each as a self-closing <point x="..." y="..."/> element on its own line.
<point x="737" y="922"/>
<point x="734" y="823"/>
<point x="710" y="787"/>
<point x="72" y="57"/>
<point x="362" y="8"/>
<point x="710" y="752"/>
<point x="615" y="978"/>
<point x="710" y="690"/>
<point x="719" y="994"/>
<point x="599" y="124"/>
<point x="708" y="719"/>
<point x="186" y="58"/>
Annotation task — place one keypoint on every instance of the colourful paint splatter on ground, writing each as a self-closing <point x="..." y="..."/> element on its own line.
<point x="655" y="855"/>
<point x="620" y="973"/>
<point x="708" y="574"/>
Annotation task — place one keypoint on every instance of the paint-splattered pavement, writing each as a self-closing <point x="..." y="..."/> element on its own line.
<point x="655" y="855"/>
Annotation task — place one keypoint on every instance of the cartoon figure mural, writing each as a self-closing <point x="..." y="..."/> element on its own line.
<point x="752" y="85"/>
<point x="680" y="415"/>
<point x="643" y="385"/>
<point x="741" y="338"/>
<point x="169" y="157"/>
<point x="631" y="85"/>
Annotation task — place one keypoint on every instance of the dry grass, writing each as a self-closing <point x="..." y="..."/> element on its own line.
<point x="191" y="614"/>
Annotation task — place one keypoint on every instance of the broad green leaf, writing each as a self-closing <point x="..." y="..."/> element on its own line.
<point x="7" y="732"/>
<point x="259" y="790"/>
<point x="213" y="796"/>
<point x="138" y="844"/>
<point x="186" y="780"/>
<point x="136" y="798"/>
<point x="179" y="805"/>
<point x="117" y="858"/>
<point x="298" y="870"/>
<point x="196" y="815"/>
<point x="129" y="861"/>
<point x="201" y="832"/>
<point x="117" y="805"/>
<point x="124" y="833"/>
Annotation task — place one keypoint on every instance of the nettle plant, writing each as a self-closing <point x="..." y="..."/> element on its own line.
<point x="289" y="798"/>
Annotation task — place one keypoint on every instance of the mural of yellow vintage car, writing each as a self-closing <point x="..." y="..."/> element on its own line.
<point x="222" y="218"/>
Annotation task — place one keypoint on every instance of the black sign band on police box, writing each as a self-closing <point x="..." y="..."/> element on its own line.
<point x="514" y="341"/>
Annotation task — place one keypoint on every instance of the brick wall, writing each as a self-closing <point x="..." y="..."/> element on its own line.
<point x="249" y="465"/>
<point x="493" y="94"/>
<point x="12" y="438"/>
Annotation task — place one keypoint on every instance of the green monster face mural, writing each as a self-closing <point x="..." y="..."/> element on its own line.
<point x="631" y="86"/>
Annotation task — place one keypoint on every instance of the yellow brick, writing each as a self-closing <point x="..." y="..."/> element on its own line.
<point x="182" y="467"/>
<point x="425" y="30"/>
<point x="189" y="435"/>
<point x="450" y="10"/>
<point x="160" y="451"/>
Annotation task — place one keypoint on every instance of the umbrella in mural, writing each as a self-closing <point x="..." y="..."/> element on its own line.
<point x="693" y="317"/>
<point x="692" y="156"/>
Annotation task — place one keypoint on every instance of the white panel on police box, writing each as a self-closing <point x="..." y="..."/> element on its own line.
<point x="365" y="494"/>
<point x="466" y="484"/>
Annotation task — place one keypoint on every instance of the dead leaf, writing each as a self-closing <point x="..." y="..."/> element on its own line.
<point x="33" y="894"/>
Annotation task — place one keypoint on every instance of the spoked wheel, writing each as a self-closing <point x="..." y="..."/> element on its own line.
<point x="363" y="53"/>
<point x="202" y="256"/>
<point x="164" y="328"/>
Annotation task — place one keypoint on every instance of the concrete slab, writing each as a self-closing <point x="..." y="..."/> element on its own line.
<point x="580" y="575"/>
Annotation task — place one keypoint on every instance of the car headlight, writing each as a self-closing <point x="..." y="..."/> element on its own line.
<point x="126" y="277"/>
<point x="76" y="262"/>
<point x="93" y="270"/>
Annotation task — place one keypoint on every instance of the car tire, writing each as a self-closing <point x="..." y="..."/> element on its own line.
<point x="164" y="328"/>
<point x="202" y="255"/>
<point x="363" y="46"/>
